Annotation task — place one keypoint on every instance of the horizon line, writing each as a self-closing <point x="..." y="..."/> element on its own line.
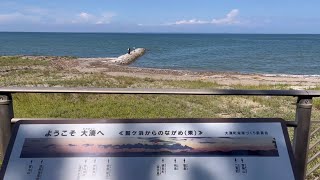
<point x="98" y="32"/>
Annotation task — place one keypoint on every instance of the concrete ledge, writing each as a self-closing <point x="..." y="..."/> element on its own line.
<point x="129" y="58"/>
<point x="121" y="60"/>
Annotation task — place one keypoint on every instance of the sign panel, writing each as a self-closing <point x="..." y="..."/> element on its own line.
<point x="171" y="149"/>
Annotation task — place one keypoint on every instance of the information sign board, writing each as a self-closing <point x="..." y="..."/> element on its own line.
<point x="154" y="149"/>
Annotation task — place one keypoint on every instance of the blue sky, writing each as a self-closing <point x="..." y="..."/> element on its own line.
<point x="189" y="16"/>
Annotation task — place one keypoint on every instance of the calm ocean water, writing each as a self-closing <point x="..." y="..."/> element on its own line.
<point x="244" y="53"/>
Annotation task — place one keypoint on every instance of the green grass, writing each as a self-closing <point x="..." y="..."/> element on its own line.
<point x="148" y="106"/>
<point x="18" y="61"/>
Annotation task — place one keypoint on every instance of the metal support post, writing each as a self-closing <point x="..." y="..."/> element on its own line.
<point x="301" y="135"/>
<point x="6" y="114"/>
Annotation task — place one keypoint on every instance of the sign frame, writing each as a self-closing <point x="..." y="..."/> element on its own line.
<point x="149" y="120"/>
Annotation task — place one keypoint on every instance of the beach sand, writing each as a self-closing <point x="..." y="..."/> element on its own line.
<point x="69" y="65"/>
<point x="222" y="78"/>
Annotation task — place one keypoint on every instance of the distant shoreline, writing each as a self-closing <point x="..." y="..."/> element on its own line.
<point x="174" y="33"/>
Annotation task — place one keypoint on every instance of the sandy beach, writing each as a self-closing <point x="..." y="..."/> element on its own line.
<point x="102" y="65"/>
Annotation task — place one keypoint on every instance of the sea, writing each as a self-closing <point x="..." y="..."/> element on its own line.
<point x="268" y="54"/>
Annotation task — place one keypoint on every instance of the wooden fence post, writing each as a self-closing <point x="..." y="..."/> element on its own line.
<point x="301" y="135"/>
<point x="6" y="114"/>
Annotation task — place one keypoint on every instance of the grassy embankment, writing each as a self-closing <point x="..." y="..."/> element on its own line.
<point x="15" y="71"/>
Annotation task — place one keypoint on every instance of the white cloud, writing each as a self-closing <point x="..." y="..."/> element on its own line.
<point x="83" y="17"/>
<point x="24" y="14"/>
<point x="230" y="18"/>
<point x="192" y="21"/>
<point x="106" y="18"/>
<point x="20" y="13"/>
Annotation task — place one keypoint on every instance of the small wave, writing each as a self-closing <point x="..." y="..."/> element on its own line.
<point x="291" y="75"/>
